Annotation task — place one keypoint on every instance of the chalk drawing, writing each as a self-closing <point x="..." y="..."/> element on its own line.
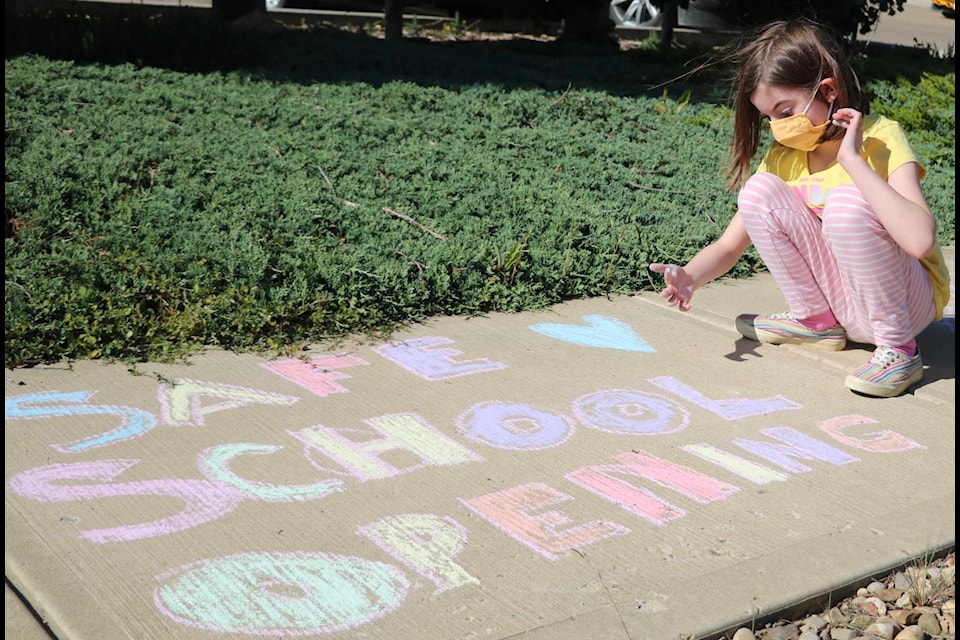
<point x="181" y="401"/>
<point x="420" y="357"/>
<point x="280" y="594"/>
<point x="215" y="464"/>
<point x="600" y="332"/>
<point x="318" y="375"/>
<point x="728" y="409"/>
<point x="402" y="433"/>
<point x="513" y="512"/>
<point x="752" y="471"/>
<point x="288" y="594"/>
<point x="426" y="543"/>
<point x="133" y="422"/>
<point x="204" y="500"/>
<point x="630" y="413"/>
<point x="885" y="441"/>
<point x="599" y="479"/>
<point x="514" y="426"/>
<point x="797" y="445"/>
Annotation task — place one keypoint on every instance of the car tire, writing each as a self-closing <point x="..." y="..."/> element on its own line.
<point x="634" y="13"/>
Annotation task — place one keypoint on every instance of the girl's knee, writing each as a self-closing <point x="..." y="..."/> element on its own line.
<point x="846" y="193"/>
<point x="846" y="208"/>
<point x="765" y="195"/>
<point x="760" y="189"/>
<point x="759" y="185"/>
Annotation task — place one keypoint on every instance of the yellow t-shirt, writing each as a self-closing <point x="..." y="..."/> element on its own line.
<point x="885" y="148"/>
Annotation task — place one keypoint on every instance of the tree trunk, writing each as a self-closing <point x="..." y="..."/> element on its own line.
<point x="670" y="20"/>
<point x="587" y="21"/>
<point x="230" y="10"/>
<point x="393" y="20"/>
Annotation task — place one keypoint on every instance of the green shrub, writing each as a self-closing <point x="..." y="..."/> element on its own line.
<point x="338" y="185"/>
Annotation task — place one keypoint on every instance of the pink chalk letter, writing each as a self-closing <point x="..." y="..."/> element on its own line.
<point x="514" y="512"/>
<point x="873" y="441"/>
<point x="318" y="375"/>
<point x="600" y="480"/>
<point x="204" y="500"/>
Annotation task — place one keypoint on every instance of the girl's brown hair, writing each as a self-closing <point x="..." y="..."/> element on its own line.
<point x="797" y="54"/>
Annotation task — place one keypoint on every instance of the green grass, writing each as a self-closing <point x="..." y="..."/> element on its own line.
<point x="173" y="182"/>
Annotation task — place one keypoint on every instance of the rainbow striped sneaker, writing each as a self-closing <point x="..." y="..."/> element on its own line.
<point x="784" y="328"/>
<point x="886" y="374"/>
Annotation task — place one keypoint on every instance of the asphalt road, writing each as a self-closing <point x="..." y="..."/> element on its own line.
<point x="920" y="23"/>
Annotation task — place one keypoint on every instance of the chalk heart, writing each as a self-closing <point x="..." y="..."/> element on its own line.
<point x="600" y="331"/>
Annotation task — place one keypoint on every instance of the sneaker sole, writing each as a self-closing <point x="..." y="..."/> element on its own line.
<point x="746" y="328"/>
<point x="749" y="331"/>
<point x="880" y="390"/>
<point x="828" y="344"/>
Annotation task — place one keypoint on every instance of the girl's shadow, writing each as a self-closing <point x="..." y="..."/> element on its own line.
<point x="938" y="344"/>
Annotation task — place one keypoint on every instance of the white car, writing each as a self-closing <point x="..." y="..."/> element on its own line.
<point x="643" y="13"/>
<point x="634" y="13"/>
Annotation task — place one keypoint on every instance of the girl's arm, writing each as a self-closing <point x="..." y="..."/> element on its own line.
<point x="898" y="201"/>
<point x="710" y="263"/>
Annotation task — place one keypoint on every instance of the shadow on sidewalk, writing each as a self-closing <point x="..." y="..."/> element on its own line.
<point x="938" y="344"/>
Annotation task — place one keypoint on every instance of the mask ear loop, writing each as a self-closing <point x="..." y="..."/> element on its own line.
<point x="815" y="93"/>
<point x="812" y="99"/>
<point x="830" y="109"/>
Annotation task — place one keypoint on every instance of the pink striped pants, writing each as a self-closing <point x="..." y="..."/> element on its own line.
<point x="846" y="263"/>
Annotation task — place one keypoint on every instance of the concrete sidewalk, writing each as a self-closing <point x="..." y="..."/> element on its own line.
<point x="606" y="469"/>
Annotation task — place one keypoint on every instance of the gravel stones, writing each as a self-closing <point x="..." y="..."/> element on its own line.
<point x="916" y="603"/>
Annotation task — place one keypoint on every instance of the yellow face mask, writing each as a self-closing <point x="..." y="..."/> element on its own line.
<point x="797" y="132"/>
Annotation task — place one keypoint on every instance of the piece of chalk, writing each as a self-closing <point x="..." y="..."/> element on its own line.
<point x="840" y="124"/>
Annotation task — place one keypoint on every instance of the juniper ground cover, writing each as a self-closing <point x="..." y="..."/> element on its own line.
<point x="173" y="183"/>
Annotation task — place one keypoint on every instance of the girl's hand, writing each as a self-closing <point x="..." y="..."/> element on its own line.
<point x="679" y="289"/>
<point x="852" y="143"/>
